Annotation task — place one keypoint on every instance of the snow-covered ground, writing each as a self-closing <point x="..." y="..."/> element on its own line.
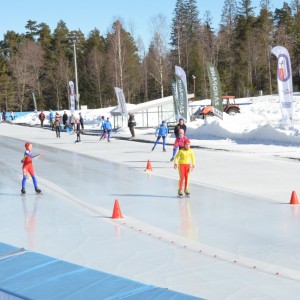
<point x="236" y="238"/>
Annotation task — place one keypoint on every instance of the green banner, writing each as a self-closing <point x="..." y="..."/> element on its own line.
<point x="215" y="89"/>
<point x="175" y="99"/>
<point x="182" y="108"/>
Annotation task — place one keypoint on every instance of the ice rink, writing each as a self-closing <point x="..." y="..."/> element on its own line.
<point x="220" y="244"/>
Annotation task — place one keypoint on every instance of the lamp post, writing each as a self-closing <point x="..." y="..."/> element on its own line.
<point x="73" y="38"/>
<point x="194" y="77"/>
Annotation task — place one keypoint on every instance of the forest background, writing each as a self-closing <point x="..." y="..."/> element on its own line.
<point x="41" y="62"/>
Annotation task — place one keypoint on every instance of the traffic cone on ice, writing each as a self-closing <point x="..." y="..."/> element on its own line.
<point x="117" y="214"/>
<point x="148" y="167"/>
<point x="294" y="198"/>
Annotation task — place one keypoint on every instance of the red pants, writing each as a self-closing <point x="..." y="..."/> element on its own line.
<point x="184" y="174"/>
<point x="28" y="169"/>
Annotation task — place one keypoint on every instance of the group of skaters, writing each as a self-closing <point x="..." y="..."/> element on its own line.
<point x="183" y="156"/>
<point x="4" y="117"/>
<point x="69" y="123"/>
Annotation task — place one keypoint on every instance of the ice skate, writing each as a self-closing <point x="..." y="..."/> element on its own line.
<point x="23" y="191"/>
<point x="38" y="191"/>
<point x="164" y="150"/>
<point x="180" y="194"/>
<point x="171" y="159"/>
<point x="187" y="193"/>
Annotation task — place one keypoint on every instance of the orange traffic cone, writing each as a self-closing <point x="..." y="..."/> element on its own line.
<point x="117" y="214"/>
<point x="149" y="167"/>
<point x="294" y="198"/>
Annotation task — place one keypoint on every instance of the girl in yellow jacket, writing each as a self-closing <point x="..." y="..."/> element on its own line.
<point x="183" y="161"/>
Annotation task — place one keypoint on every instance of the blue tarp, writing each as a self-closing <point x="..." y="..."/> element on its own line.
<point x="30" y="275"/>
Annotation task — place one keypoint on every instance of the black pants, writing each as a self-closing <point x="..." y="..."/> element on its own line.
<point x="131" y="128"/>
<point x="57" y="130"/>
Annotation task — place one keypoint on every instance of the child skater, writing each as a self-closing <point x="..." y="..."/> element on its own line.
<point x="183" y="161"/>
<point x="28" y="168"/>
<point x="179" y="143"/>
<point x="161" y="132"/>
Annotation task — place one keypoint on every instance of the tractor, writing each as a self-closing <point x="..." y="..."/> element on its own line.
<point x="229" y="107"/>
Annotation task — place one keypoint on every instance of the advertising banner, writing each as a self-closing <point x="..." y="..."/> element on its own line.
<point x="215" y="90"/>
<point x="285" y="84"/>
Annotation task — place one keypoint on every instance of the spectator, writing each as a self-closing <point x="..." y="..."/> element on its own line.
<point x="12" y="115"/>
<point x="72" y="121"/>
<point x="3" y="115"/>
<point x="42" y="118"/>
<point x="65" y="119"/>
<point x="57" y="125"/>
<point x="131" y="124"/>
<point x="77" y="122"/>
<point x="81" y="120"/>
<point x="51" y="119"/>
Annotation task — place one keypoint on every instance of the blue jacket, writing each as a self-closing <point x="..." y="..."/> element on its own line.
<point x="162" y="130"/>
<point x="107" y="125"/>
<point x="51" y="116"/>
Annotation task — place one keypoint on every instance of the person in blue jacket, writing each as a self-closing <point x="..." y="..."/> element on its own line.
<point x="51" y="119"/>
<point x="107" y="127"/>
<point x="161" y="132"/>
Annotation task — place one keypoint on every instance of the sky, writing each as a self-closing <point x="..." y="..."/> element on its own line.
<point x="89" y="14"/>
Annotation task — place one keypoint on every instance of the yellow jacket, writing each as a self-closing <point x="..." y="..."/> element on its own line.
<point x="185" y="157"/>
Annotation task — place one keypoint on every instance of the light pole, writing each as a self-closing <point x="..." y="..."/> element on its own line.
<point x="194" y="77"/>
<point x="73" y="38"/>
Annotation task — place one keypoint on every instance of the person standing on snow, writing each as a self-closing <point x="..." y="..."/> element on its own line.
<point x="72" y="122"/>
<point x="28" y="168"/>
<point x="77" y="124"/>
<point x="65" y="119"/>
<point x="51" y="119"/>
<point x="81" y="120"/>
<point x="131" y="124"/>
<point x="179" y="143"/>
<point x="42" y="118"/>
<point x="57" y="125"/>
<point x="183" y="161"/>
<point x="161" y="132"/>
<point x="179" y="126"/>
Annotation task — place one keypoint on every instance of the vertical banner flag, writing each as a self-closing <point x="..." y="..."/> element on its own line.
<point x="175" y="99"/>
<point x="215" y="90"/>
<point x="285" y="84"/>
<point x="182" y="97"/>
<point x="121" y="102"/>
<point x="72" y="97"/>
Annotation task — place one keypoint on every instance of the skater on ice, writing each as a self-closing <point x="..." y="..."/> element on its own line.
<point x="161" y="132"/>
<point x="179" y="143"/>
<point x="183" y="160"/>
<point x="28" y="168"/>
<point x="179" y="126"/>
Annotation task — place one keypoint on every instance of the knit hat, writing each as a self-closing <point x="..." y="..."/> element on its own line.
<point x="27" y="145"/>
<point x="187" y="141"/>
